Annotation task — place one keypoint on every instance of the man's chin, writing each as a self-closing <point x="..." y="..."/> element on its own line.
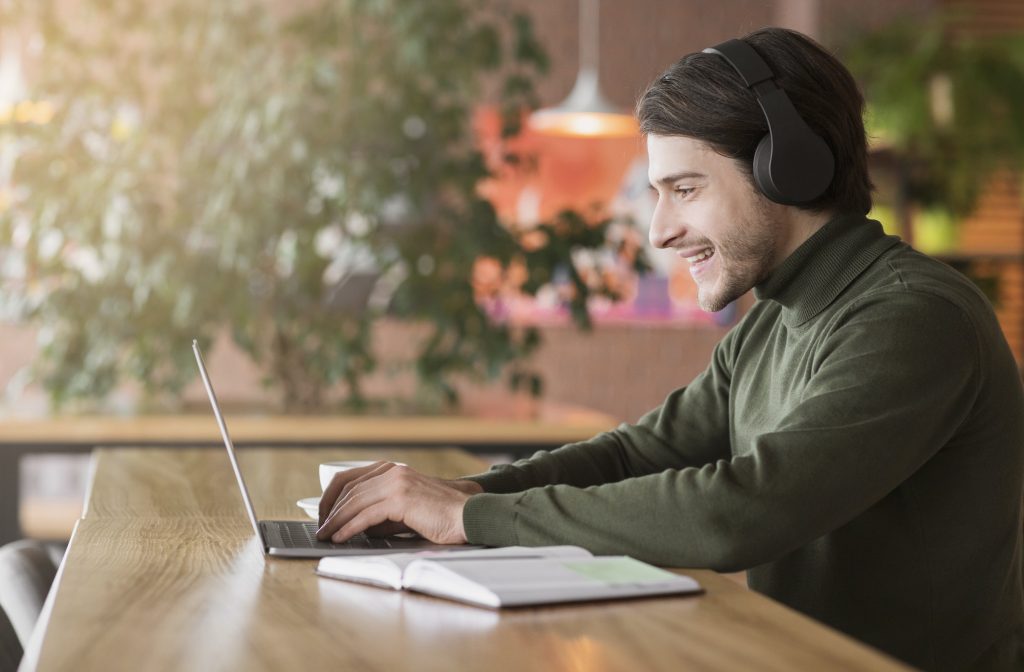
<point x="709" y="304"/>
<point x="712" y="307"/>
<point x="712" y="303"/>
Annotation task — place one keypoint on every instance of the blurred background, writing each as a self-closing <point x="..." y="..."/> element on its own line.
<point x="389" y="207"/>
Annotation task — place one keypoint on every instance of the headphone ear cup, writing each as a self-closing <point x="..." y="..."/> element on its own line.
<point x="762" y="170"/>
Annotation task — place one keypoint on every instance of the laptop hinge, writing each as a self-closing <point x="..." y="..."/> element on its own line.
<point x="271" y="538"/>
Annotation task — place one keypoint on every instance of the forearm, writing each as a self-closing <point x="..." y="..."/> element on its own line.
<point x="598" y="460"/>
<point x="689" y="429"/>
<point x="727" y="516"/>
<point x="465" y="485"/>
<point x="656" y="518"/>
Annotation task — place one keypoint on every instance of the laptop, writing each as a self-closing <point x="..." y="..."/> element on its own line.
<point x="297" y="539"/>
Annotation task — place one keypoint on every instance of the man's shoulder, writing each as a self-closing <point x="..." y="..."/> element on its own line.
<point x="902" y="289"/>
<point x="908" y="299"/>
<point x="906" y="280"/>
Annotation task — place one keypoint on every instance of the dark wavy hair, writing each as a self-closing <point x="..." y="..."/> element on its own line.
<point x="702" y="97"/>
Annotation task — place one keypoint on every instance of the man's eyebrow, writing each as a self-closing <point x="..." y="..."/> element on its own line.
<point x="669" y="179"/>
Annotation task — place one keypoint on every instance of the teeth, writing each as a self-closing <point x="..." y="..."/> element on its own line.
<point x="699" y="257"/>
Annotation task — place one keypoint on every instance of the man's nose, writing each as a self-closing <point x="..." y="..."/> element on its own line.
<point x="664" y="229"/>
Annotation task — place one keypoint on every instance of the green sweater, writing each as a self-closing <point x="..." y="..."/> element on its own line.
<point x="856" y="444"/>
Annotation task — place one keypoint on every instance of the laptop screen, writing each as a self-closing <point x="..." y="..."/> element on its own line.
<point x="227" y="439"/>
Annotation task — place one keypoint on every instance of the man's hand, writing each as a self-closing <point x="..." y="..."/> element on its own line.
<point x="385" y="498"/>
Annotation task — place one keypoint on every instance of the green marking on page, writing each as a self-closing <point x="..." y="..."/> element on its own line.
<point x="619" y="570"/>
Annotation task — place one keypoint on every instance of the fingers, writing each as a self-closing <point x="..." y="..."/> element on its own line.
<point x="356" y="495"/>
<point x="371" y="516"/>
<point x="334" y="489"/>
<point x="388" y="529"/>
<point x="376" y="470"/>
<point x="363" y="495"/>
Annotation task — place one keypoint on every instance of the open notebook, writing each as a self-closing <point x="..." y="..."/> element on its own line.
<point x="511" y="577"/>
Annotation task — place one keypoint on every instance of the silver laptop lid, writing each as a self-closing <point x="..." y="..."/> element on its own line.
<point x="227" y="439"/>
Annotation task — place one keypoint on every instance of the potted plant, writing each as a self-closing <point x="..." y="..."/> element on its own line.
<point x="292" y="174"/>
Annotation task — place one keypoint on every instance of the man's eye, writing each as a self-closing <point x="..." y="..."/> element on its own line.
<point x="684" y="192"/>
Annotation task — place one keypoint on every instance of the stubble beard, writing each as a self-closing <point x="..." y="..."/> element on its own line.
<point x="744" y="260"/>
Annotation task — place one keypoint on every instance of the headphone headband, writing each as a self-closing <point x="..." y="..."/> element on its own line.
<point x="792" y="164"/>
<point x="747" y="63"/>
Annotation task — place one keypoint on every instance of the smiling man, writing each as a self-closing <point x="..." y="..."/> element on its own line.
<point x="731" y="236"/>
<point x="857" y="440"/>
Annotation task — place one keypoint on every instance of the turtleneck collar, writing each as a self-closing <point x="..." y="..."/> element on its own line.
<point x="823" y="266"/>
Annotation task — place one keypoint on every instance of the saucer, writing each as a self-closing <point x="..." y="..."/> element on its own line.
<point x="311" y="505"/>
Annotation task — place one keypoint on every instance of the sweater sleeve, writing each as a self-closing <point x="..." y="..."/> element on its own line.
<point x="893" y="382"/>
<point x="691" y="428"/>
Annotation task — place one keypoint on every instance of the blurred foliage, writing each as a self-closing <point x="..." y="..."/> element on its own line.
<point x="950" y="106"/>
<point x="293" y="174"/>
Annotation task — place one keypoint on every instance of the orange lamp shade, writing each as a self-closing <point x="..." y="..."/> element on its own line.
<point x="559" y="171"/>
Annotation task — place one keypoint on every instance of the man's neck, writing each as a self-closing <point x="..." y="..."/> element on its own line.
<point x="799" y="225"/>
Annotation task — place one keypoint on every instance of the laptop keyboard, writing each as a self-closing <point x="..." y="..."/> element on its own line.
<point x="297" y="534"/>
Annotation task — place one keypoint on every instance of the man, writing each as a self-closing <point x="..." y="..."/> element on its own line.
<point x="857" y="441"/>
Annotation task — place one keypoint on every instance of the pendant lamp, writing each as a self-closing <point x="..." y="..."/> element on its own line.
<point x="586" y="112"/>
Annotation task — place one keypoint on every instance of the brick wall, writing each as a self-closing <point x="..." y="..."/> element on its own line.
<point x="994" y="233"/>
<point x="991" y="243"/>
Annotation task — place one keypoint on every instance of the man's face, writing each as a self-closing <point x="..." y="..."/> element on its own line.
<point x="712" y="216"/>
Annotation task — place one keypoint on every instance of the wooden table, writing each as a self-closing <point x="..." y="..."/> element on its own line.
<point x="551" y="425"/>
<point x="163" y="572"/>
<point x="490" y="429"/>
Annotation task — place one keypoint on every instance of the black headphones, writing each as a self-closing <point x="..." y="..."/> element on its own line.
<point x="792" y="164"/>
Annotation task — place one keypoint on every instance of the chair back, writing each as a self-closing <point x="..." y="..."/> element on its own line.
<point x="10" y="647"/>
<point x="27" y="570"/>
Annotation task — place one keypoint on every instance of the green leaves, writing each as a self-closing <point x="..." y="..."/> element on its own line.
<point x="952" y="108"/>
<point x="527" y="50"/>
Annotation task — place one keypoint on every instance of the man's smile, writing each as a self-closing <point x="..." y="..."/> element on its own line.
<point x="697" y="257"/>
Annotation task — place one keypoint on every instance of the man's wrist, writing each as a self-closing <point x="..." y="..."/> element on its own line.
<point x="457" y="517"/>
<point x="466" y="486"/>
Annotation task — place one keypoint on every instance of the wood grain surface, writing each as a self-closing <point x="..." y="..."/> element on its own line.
<point x="196" y="482"/>
<point x="549" y="427"/>
<point x="164" y="573"/>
